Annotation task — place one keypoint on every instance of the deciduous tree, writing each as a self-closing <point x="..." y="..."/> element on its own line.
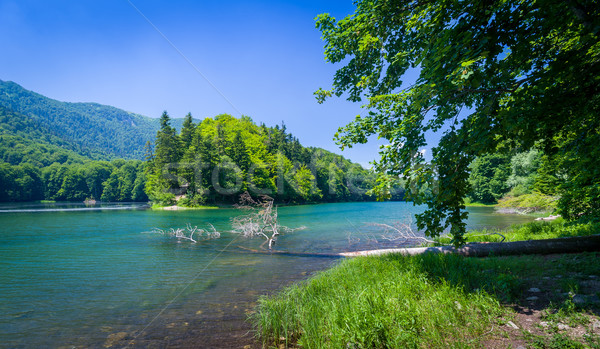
<point x="514" y="71"/>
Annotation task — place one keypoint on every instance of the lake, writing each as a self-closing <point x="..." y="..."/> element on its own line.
<point x="78" y="277"/>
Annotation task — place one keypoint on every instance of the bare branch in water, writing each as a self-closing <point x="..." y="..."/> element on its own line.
<point x="400" y="231"/>
<point x="261" y="221"/>
<point x="188" y="233"/>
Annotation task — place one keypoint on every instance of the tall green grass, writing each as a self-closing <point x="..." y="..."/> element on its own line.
<point x="389" y="302"/>
<point x="425" y="301"/>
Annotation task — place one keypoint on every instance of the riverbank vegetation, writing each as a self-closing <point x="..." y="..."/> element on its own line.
<point x="536" y="230"/>
<point x="523" y="182"/>
<point x="430" y="300"/>
<point x="435" y="300"/>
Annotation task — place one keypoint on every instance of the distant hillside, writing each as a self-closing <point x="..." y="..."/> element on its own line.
<point x="55" y="150"/>
<point x="24" y="140"/>
<point x="90" y="129"/>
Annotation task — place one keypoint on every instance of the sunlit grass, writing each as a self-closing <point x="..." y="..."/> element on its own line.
<point x="387" y="302"/>
<point x="424" y="301"/>
<point x="530" y="231"/>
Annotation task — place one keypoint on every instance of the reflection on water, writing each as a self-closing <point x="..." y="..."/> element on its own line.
<point x="69" y="206"/>
<point x="76" y="276"/>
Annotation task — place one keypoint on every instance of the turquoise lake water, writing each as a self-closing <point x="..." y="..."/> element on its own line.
<point x="77" y="277"/>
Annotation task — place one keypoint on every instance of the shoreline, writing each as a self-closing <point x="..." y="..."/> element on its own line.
<point x="521" y="294"/>
<point x="182" y="208"/>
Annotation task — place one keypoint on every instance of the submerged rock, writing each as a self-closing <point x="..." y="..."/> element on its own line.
<point x="113" y="338"/>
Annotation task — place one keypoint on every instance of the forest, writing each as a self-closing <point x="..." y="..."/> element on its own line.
<point x="59" y="151"/>
<point x="525" y="181"/>
<point x="37" y="164"/>
<point x="208" y="162"/>
<point x="217" y="159"/>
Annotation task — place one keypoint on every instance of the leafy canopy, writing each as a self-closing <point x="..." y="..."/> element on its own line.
<point x="512" y="72"/>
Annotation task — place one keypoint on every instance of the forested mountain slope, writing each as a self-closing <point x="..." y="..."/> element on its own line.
<point x="51" y="150"/>
<point x="25" y="140"/>
<point x="90" y="129"/>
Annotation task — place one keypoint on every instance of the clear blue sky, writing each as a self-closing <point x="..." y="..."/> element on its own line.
<point x="265" y="57"/>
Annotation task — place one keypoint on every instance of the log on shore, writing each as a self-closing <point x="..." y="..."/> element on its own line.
<point x="547" y="246"/>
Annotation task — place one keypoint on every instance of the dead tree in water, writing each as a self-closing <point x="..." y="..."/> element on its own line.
<point x="262" y="219"/>
<point x="189" y="232"/>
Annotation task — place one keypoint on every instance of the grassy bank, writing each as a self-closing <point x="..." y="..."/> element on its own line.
<point x="532" y="203"/>
<point x="530" y="231"/>
<point x="479" y="204"/>
<point x="427" y="301"/>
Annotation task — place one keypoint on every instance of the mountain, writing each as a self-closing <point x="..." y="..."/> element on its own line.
<point x="25" y="140"/>
<point x="52" y="150"/>
<point x="93" y="130"/>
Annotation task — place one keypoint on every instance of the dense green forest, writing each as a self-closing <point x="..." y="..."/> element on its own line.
<point x="217" y="159"/>
<point x="51" y="150"/>
<point x="529" y="180"/>
<point x="37" y="165"/>
<point x="209" y="161"/>
<point x="96" y="131"/>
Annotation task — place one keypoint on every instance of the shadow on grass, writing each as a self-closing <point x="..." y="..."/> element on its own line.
<point x="430" y="300"/>
<point x="525" y="283"/>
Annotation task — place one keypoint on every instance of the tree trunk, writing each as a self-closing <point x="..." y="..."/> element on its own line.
<point x="547" y="246"/>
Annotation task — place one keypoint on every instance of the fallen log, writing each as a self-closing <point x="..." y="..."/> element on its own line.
<point x="546" y="246"/>
<point x="289" y="253"/>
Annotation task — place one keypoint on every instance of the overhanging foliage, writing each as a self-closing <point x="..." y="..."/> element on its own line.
<point x="512" y="72"/>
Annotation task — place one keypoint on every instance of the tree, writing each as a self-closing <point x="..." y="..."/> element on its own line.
<point x="187" y="131"/>
<point x="511" y="71"/>
<point x="95" y="174"/>
<point x="168" y="145"/>
<point x="261" y="219"/>
<point x="488" y="177"/>
<point x="74" y="186"/>
<point x="524" y="168"/>
<point x="306" y="184"/>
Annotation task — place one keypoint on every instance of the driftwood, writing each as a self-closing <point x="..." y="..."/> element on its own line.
<point x="547" y="246"/>
<point x="188" y="232"/>
<point x="262" y="219"/>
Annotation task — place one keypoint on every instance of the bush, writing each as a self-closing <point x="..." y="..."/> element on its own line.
<point x="528" y="203"/>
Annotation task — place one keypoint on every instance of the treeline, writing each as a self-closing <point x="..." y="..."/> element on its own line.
<point x="212" y="161"/>
<point x="118" y="180"/>
<point x="217" y="159"/>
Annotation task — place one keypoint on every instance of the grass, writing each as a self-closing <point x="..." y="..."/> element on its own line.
<point x="536" y="230"/>
<point x="389" y="301"/>
<point x="480" y="204"/>
<point x="527" y="203"/>
<point x="425" y="301"/>
<point x="396" y="301"/>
